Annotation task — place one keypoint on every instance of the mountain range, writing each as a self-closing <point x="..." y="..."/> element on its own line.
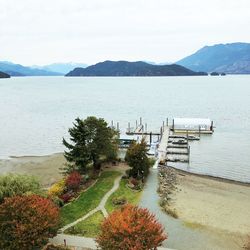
<point x="125" y="68"/>
<point x="61" y="68"/>
<point x="20" y="70"/>
<point x="231" y="58"/>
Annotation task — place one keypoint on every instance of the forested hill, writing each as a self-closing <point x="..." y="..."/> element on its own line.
<point x="125" y="68"/>
<point x="231" y="58"/>
<point x="4" y="75"/>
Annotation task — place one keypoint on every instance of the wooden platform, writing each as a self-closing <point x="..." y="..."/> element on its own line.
<point x="172" y="152"/>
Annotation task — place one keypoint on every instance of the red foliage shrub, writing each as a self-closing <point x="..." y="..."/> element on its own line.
<point x="134" y="181"/>
<point x="67" y="197"/>
<point x="26" y="222"/>
<point x="131" y="228"/>
<point x="73" y="181"/>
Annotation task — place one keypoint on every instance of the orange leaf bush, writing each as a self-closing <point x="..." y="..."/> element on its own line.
<point x="131" y="228"/>
<point x="26" y="222"/>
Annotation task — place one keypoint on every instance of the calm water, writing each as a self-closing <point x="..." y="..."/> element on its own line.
<point x="35" y="113"/>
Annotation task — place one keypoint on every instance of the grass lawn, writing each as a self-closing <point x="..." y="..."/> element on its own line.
<point x="90" y="199"/>
<point x="131" y="196"/>
<point x="89" y="227"/>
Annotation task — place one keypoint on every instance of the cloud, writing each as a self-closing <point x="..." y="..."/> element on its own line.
<point x="39" y="32"/>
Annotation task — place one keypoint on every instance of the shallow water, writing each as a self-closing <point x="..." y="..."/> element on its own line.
<point x="36" y="112"/>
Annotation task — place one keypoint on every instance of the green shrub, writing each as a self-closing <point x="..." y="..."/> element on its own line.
<point x="118" y="201"/>
<point x="16" y="184"/>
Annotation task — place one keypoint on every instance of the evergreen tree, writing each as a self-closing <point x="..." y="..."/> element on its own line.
<point x="90" y="139"/>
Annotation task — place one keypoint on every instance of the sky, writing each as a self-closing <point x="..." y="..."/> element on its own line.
<point x="88" y="31"/>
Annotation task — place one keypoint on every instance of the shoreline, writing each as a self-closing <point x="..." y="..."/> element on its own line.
<point x="211" y="177"/>
<point x="216" y="206"/>
<point x="46" y="168"/>
<point x="40" y="157"/>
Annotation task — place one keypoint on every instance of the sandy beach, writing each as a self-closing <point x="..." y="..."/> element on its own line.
<point x="46" y="168"/>
<point x="215" y="205"/>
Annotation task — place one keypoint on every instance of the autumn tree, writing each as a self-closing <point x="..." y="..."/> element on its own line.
<point x="91" y="139"/>
<point x="16" y="184"/>
<point x="138" y="160"/>
<point x="26" y="222"/>
<point x="131" y="228"/>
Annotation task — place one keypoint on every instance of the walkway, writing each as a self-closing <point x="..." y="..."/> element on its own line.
<point x="80" y="242"/>
<point x="162" y="150"/>
<point x="100" y="207"/>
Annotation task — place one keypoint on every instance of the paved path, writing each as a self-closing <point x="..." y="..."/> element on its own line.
<point x="80" y="242"/>
<point x="100" y="207"/>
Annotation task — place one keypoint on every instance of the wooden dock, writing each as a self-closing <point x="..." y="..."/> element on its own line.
<point x="162" y="149"/>
<point x="173" y="138"/>
<point x="168" y="151"/>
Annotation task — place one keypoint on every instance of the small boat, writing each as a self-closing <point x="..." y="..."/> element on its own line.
<point x="193" y="138"/>
<point x="180" y="142"/>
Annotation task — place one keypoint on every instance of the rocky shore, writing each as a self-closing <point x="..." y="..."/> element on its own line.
<point x="167" y="186"/>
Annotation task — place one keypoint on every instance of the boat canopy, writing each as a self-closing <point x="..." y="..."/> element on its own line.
<point x="192" y="124"/>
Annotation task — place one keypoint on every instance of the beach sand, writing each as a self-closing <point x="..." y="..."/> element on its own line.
<point x="215" y="205"/>
<point x="46" y="168"/>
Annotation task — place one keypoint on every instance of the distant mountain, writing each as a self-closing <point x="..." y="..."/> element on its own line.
<point x="20" y="70"/>
<point x="124" y="68"/>
<point x="231" y="58"/>
<point x="62" y="68"/>
<point x="4" y="75"/>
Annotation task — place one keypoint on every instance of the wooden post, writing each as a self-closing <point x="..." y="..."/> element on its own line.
<point x="212" y="126"/>
<point x="140" y="121"/>
<point x="112" y="123"/>
<point x="161" y="132"/>
<point x="146" y="127"/>
<point x="167" y="121"/>
<point x="129" y="127"/>
<point x="150" y="137"/>
<point x="173" y="124"/>
<point x="163" y="126"/>
<point x="136" y="124"/>
<point x="187" y="136"/>
<point x="199" y="131"/>
<point x="117" y="126"/>
<point x="188" y="153"/>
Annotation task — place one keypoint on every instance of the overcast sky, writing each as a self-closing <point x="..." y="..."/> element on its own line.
<point x="88" y="31"/>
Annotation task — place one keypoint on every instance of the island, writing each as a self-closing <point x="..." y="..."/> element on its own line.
<point x="125" y="68"/>
<point x="214" y="74"/>
<point x="4" y="75"/>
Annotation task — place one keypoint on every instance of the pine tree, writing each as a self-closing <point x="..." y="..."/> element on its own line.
<point x="90" y="139"/>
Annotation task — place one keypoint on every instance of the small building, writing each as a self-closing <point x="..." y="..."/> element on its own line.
<point x="195" y="125"/>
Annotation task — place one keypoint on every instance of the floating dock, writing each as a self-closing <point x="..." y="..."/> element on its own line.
<point x="172" y="139"/>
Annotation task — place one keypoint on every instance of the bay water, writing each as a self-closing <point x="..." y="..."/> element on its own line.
<point x="36" y="112"/>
